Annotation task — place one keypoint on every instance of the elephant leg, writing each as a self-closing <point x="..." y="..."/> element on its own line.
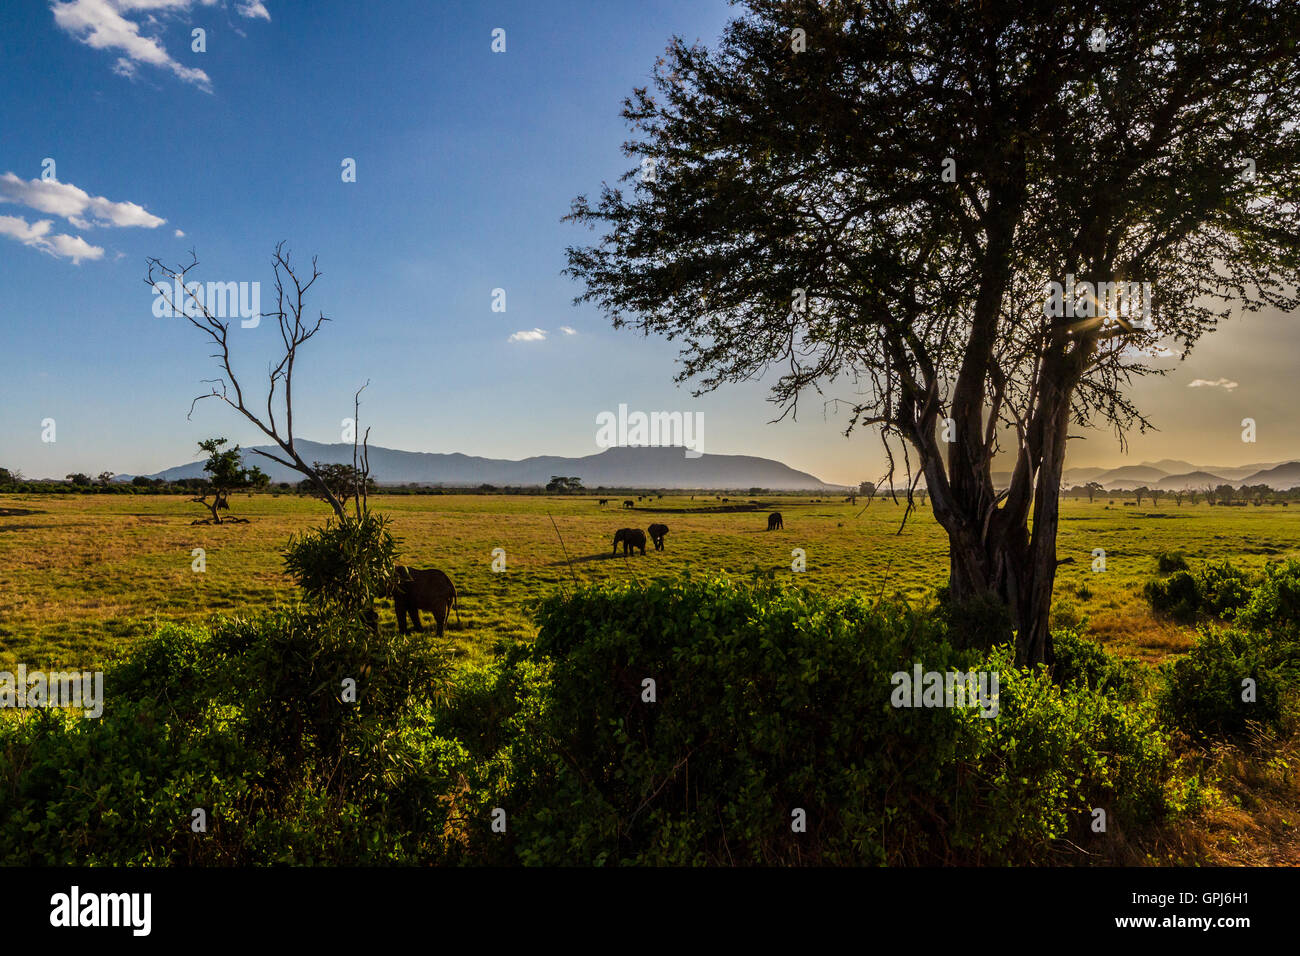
<point x="440" y="619"/>
<point x="400" y="608"/>
<point x="415" y="619"/>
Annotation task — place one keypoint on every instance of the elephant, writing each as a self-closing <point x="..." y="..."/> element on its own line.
<point x="657" y="532"/>
<point x="774" y="521"/>
<point x="603" y="502"/>
<point x="628" y="503"/>
<point x="632" y="539"/>
<point x="422" y="589"/>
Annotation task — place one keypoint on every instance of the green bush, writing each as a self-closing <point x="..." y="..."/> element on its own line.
<point x="248" y="723"/>
<point x="346" y="565"/>
<point x="771" y="700"/>
<point x="1167" y="562"/>
<point x="1224" y="588"/>
<point x="1275" y="603"/>
<point x="1216" y="589"/>
<point x="1203" y="691"/>
<point x="1083" y="661"/>
<point x="1177" y="597"/>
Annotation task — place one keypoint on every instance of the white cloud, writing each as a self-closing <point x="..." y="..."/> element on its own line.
<point x="180" y="234"/>
<point x="100" y="25"/>
<point x="104" y="25"/>
<point x="536" y="335"/>
<point x="38" y="236"/>
<point x="74" y="204"/>
<point x="568" y="331"/>
<point x="1217" y="383"/>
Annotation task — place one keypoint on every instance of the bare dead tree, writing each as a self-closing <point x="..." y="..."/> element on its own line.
<point x="296" y="328"/>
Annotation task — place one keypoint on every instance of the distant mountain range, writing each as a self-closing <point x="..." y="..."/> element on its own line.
<point x="641" y="467"/>
<point x="663" y="467"/>
<point x="1173" y="475"/>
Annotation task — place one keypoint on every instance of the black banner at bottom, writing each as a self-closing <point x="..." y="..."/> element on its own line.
<point x="340" y="906"/>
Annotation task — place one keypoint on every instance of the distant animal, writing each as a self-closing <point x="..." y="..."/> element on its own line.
<point x="422" y="589"/>
<point x="657" y="532"/>
<point x="725" y="500"/>
<point x="774" y="521"/>
<point x="640" y="497"/>
<point x="629" y="503"/>
<point x="631" y="539"/>
<point x="603" y="502"/>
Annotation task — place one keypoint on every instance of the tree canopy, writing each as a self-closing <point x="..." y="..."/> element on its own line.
<point x="877" y="196"/>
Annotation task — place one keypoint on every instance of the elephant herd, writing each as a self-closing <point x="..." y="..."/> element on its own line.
<point x="427" y="589"/>
<point x="633" y="538"/>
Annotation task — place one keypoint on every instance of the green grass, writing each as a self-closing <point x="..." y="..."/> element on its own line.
<point x="84" y="576"/>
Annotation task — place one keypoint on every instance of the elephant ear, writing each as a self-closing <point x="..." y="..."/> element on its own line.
<point x="404" y="573"/>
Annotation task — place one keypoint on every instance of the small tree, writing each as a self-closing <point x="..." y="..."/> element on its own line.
<point x="104" y="477"/>
<point x="563" y="486"/>
<point x="1093" y="488"/>
<point x="1178" y="497"/>
<point x="296" y="328"/>
<point x="867" y="489"/>
<point x="1140" y="492"/>
<point x="345" y="481"/>
<point x="1224" y="494"/>
<point x="79" y="480"/>
<point x="226" y="474"/>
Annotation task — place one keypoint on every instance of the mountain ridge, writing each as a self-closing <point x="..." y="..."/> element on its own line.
<point x="621" y="467"/>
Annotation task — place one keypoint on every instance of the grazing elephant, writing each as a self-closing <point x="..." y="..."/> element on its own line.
<point x="603" y="502"/>
<point x="628" y="503"/>
<point x="774" y="521"/>
<point x="632" y="538"/>
<point x="657" y="532"/>
<point x="422" y="589"/>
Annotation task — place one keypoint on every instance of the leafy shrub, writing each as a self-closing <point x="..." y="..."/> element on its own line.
<point x="1177" y="597"/>
<point x="1203" y="690"/>
<point x="1275" y="603"/>
<point x="1167" y="562"/>
<point x="248" y="723"/>
<point x="1224" y="588"/>
<point x="346" y="565"/>
<point x="771" y="700"/>
<point x="1083" y="661"/>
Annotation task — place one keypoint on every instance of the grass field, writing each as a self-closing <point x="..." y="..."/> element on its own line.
<point x="83" y="576"/>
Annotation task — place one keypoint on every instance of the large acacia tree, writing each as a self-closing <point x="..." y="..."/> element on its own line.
<point x="878" y="194"/>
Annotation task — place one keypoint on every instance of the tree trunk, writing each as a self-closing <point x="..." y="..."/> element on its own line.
<point x="992" y="553"/>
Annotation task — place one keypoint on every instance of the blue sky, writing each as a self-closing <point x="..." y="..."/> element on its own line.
<point x="466" y="162"/>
